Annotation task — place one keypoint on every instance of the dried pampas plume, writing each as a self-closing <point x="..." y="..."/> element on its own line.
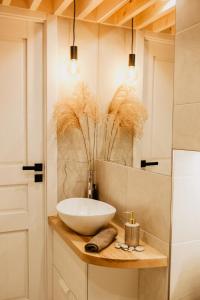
<point x="80" y="112"/>
<point x="125" y="111"/>
<point x="68" y="112"/>
<point x="65" y="117"/>
<point x="84" y="103"/>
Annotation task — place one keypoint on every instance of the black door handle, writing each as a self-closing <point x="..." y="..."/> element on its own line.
<point x="36" y="168"/>
<point x="144" y="163"/>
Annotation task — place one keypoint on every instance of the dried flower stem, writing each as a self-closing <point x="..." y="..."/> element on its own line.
<point x="110" y="140"/>
<point x="85" y="145"/>
<point x="113" y="142"/>
<point x="89" y="142"/>
<point x="105" y="137"/>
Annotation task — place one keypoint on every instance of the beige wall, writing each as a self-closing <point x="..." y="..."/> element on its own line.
<point x="103" y="62"/>
<point x="103" y="59"/>
<point x="149" y="196"/>
<point x="185" y="261"/>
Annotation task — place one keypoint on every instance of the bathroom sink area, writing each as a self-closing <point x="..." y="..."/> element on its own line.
<point x="85" y="216"/>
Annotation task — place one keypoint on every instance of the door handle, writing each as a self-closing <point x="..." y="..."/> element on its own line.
<point x="144" y="163"/>
<point x="36" y="168"/>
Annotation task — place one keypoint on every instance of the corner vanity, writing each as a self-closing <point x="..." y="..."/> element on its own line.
<point x="78" y="275"/>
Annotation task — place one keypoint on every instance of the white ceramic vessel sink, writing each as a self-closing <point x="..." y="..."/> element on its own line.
<point x="84" y="215"/>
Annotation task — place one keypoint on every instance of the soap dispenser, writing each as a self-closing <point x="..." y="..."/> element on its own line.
<point x="132" y="231"/>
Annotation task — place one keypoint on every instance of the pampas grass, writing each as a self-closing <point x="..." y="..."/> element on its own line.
<point x="80" y="112"/>
<point x="127" y="112"/>
<point x="65" y="117"/>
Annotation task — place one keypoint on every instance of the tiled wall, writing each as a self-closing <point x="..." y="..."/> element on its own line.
<point x="187" y="73"/>
<point x="149" y="196"/>
<point x="185" y="258"/>
<point x="185" y="264"/>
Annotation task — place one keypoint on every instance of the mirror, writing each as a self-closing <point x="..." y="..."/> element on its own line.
<point x="155" y="71"/>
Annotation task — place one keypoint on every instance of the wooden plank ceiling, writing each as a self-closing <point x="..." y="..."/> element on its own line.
<point x="152" y="15"/>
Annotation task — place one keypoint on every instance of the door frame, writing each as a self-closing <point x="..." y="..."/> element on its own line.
<point x="141" y="37"/>
<point x="50" y="36"/>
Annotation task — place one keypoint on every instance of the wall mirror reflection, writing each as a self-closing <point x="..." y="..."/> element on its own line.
<point x="150" y="145"/>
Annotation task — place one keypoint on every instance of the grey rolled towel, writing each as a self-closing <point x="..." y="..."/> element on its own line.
<point x="101" y="240"/>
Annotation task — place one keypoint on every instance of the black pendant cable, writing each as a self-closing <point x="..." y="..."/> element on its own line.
<point x="73" y="48"/>
<point x="131" y="62"/>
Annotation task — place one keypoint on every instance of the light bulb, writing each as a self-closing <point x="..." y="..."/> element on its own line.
<point x="132" y="73"/>
<point x="74" y="66"/>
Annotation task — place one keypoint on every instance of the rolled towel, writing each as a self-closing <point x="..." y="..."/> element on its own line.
<point x="101" y="240"/>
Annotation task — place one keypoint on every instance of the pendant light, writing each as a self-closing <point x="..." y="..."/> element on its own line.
<point x="131" y="61"/>
<point x="73" y="48"/>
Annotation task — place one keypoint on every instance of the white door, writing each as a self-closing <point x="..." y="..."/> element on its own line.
<point x="21" y="143"/>
<point x="158" y="98"/>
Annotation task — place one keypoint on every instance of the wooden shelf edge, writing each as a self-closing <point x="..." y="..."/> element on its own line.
<point x="109" y="257"/>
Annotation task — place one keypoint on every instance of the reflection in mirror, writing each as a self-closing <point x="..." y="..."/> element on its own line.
<point x="153" y="143"/>
<point x="123" y="124"/>
<point x="156" y="143"/>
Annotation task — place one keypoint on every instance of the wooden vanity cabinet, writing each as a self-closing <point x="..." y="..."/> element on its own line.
<point x="69" y="272"/>
<point x="73" y="279"/>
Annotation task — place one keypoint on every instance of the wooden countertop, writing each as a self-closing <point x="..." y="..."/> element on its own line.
<point x="109" y="257"/>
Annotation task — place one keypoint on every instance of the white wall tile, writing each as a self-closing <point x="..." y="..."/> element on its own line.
<point x="187" y="13"/>
<point x="112" y="184"/>
<point x="186" y="131"/>
<point x="185" y="271"/>
<point x="149" y="196"/>
<point x="191" y="296"/>
<point x="185" y="257"/>
<point x="186" y="163"/>
<point x="156" y="243"/>
<point x="153" y="284"/>
<point x="187" y="66"/>
<point x="186" y="196"/>
<point x="186" y="208"/>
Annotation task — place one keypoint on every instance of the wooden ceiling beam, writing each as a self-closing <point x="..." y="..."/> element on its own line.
<point x="34" y="4"/>
<point x="163" y="23"/>
<point x="129" y="11"/>
<point x="108" y="8"/>
<point x="61" y="5"/>
<point x="85" y="7"/>
<point x="6" y="2"/>
<point x="173" y="30"/>
<point x="153" y="13"/>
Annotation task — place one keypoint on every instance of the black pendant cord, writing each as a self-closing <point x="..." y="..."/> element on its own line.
<point x="73" y="48"/>
<point x="132" y="36"/>
<point x="131" y="61"/>
<point x="74" y="23"/>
